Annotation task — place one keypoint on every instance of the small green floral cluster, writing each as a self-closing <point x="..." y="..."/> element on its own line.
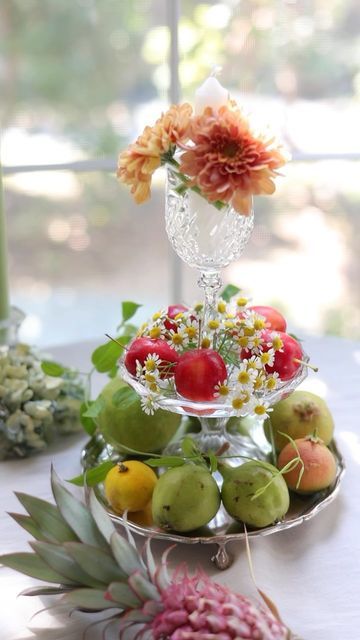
<point x="35" y="405"/>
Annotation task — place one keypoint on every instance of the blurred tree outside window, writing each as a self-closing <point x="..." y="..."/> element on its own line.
<point x="79" y="80"/>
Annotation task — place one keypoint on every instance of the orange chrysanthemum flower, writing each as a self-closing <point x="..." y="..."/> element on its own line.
<point x="227" y="162"/>
<point x="139" y="161"/>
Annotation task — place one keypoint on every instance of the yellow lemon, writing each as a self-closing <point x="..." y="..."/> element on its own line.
<point x="129" y="486"/>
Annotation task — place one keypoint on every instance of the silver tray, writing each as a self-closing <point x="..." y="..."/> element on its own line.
<point x="223" y="529"/>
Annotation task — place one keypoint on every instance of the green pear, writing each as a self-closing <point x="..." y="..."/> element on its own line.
<point x="124" y="424"/>
<point x="239" y="488"/>
<point x="299" y="415"/>
<point x="185" y="498"/>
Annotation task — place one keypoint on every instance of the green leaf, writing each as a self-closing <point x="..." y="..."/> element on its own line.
<point x="27" y="523"/>
<point x="105" y="357"/>
<point x="113" y="372"/>
<point x="53" y="368"/>
<point x="76" y="514"/>
<point x="56" y="556"/>
<point x="189" y="447"/>
<point x="47" y="518"/>
<point x="32" y="565"/>
<point x="92" y="477"/>
<point x="101" y="517"/>
<point x="229" y="291"/>
<point x="43" y="591"/>
<point x="88" y="423"/>
<point x="96" y="562"/>
<point x="125" y="397"/>
<point x="213" y="461"/>
<point x="142" y="586"/>
<point x="91" y="599"/>
<point x="129" y="309"/>
<point x="123" y="595"/>
<point x="125" y="555"/>
<point x="95" y="408"/>
<point x="165" y="461"/>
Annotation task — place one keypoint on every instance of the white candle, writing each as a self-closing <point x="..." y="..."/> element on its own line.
<point x="210" y="94"/>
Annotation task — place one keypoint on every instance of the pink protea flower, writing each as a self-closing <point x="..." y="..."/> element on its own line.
<point x="226" y="161"/>
<point x="198" y="609"/>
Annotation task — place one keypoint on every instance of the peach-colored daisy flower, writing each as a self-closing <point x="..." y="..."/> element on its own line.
<point x="228" y="162"/>
<point x="139" y="161"/>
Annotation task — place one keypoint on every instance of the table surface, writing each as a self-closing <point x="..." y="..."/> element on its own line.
<point x="312" y="572"/>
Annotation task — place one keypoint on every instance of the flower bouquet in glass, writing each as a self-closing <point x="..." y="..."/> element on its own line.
<point x="220" y="358"/>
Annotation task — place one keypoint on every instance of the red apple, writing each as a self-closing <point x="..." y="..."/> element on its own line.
<point x="140" y="348"/>
<point x="274" y="319"/>
<point x="198" y="372"/>
<point x="285" y="363"/>
<point x="172" y="312"/>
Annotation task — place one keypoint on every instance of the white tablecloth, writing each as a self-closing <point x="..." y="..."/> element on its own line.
<point x="312" y="572"/>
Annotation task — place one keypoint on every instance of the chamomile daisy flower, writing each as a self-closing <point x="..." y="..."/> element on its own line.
<point x="191" y="329"/>
<point x="222" y="389"/>
<point x="221" y="306"/>
<point x="268" y="358"/>
<point x="177" y="339"/>
<point x="246" y="376"/>
<point x="152" y="362"/>
<point x="272" y="382"/>
<point x="213" y="324"/>
<point x="149" y="404"/>
<point x="261" y="408"/>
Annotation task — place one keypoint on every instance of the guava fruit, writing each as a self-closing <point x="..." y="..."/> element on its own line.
<point x="240" y="485"/>
<point x="318" y="468"/>
<point x="300" y="414"/>
<point x="126" y="425"/>
<point x="185" y="498"/>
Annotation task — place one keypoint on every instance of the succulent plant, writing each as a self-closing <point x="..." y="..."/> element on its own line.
<point x="34" y="406"/>
<point x="96" y="569"/>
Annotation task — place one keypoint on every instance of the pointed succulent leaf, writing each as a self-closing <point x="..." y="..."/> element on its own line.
<point x="32" y="565"/>
<point x="47" y="517"/>
<point x="125" y="555"/>
<point x="27" y="523"/>
<point x="142" y="586"/>
<point x="97" y="562"/>
<point x="91" y="599"/>
<point x="123" y="595"/>
<point x="43" y="591"/>
<point x="76" y="514"/>
<point x="101" y="517"/>
<point x="149" y="559"/>
<point x="57" y="558"/>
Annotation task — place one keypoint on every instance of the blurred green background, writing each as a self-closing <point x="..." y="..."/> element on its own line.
<point x="80" y="79"/>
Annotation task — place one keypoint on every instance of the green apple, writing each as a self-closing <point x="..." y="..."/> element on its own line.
<point x="124" y="424"/>
<point x="299" y="415"/>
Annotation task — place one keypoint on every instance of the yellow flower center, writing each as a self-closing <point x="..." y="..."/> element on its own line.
<point x="242" y="302"/>
<point x="223" y="390"/>
<point x="156" y="316"/>
<point x="153" y="387"/>
<point x="221" y="307"/>
<point x="177" y="338"/>
<point x="237" y="403"/>
<point x="191" y="332"/>
<point x="271" y="383"/>
<point x="213" y="324"/>
<point x="205" y="343"/>
<point x="258" y="383"/>
<point x="259" y="410"/>
<point x="277" y="343"/>
<point x="249" y="331"/>
<point x="243" y="341"/>
<point x="228" y="324"/>
<point x="265" y="357"/>
<point x="149" y="377"/>
<point x="150" y="365"/>
<point x="243" y="377"/>
<point x="259" y="324"/>
<point x="155" y="332"/>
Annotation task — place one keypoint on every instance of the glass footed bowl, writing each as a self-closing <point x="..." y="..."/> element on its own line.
<point x="214" y="415"/>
